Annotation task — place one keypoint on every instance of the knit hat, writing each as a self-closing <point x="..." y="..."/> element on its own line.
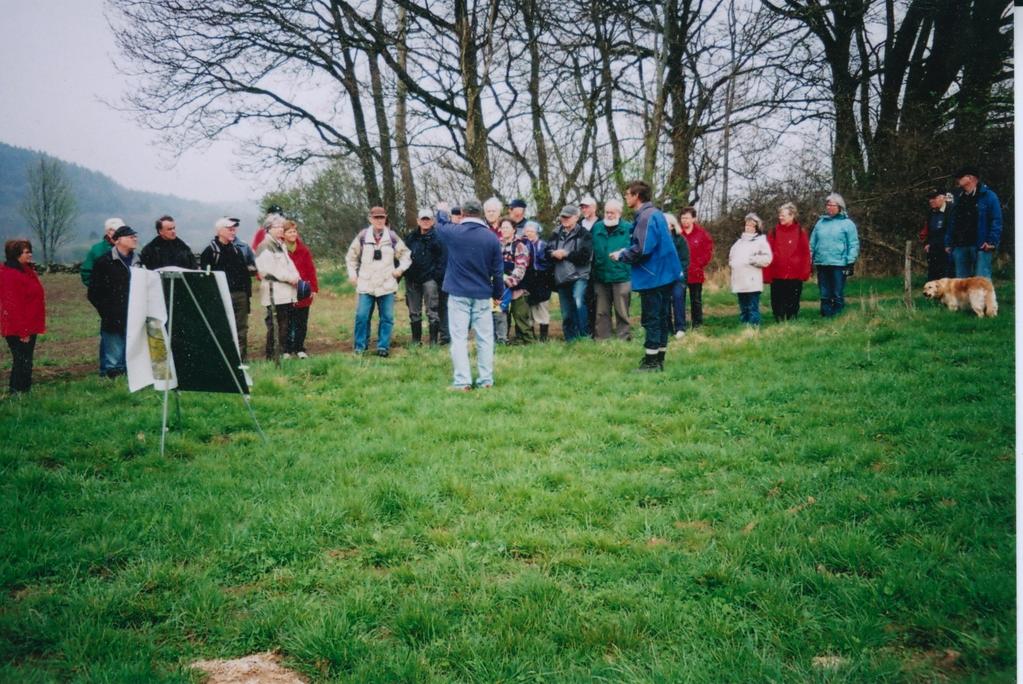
<point x="112" y="224"/>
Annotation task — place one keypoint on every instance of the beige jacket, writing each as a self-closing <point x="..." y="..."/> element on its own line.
<point x="277" y="271"/>
<point x="376" y="276"/>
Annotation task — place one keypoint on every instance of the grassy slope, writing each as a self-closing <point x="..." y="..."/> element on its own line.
<point x="834" y="488"/>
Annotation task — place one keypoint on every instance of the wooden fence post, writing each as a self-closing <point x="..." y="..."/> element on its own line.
<point x="908" y="276"/>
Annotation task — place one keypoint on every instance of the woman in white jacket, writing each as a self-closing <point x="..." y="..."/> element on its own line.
<point x="277" y="289"/>
<point x="747" y="259"/>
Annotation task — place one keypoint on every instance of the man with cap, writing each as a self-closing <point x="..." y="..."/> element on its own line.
<point x="167" y="249"/>
<point x="588" y="211"/>
<point x="473" y="279"/>
<point x="932" y="235"/>
<point x="974" y="226"/>
<point x="224" y="253"/>
<point x="376" y="259"/>
<point x="100" y="248"/>
<point x="108" y="293"/>
<point x="517" y="213"/>
<point x="423" y="278"/>
<point x="570" y="249"/>
<point x="655" y="268"/>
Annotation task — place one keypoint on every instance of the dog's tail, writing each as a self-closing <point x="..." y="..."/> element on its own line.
<point x="990" y="303"/>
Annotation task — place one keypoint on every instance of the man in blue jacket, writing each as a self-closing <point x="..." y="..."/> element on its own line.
<point x="473" y="278"/>
<point x="655" y="268"/>
<point x="974" y="226"/>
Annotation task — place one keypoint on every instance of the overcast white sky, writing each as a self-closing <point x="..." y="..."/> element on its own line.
<point x="55" y="68"/>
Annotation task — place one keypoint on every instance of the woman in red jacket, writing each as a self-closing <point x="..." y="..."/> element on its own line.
<point x="303" y="260"/>
<point x="22" y="310"/>
<point x="701" y="248"/>
<point x="791" y="265"/>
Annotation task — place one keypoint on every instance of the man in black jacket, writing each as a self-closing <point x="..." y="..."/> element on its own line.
<point x="167" y="249"/>
<point x="224" y="254"/>
<point x="570" y="250"/>
<point x="108" y="293"/>
<point x="423" y="278"/>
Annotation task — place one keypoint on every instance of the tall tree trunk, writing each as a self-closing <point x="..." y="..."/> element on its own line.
<point x="607" y="80"/>
<point x="383" y="126"/>
<point x="408" y="183"/>
<point x="364" y="151"/>
<point x="542" y="182"/>
<point x="476" y="133"/>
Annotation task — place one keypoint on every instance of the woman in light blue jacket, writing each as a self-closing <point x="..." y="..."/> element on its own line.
<point x="834" y="245"/>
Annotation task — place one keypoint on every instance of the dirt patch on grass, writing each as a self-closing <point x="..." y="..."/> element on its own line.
<point x="259" y="668"/>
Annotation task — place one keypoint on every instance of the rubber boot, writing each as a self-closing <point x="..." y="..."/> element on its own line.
<point x="434" y="332"/>
<point x="417" y="333"/>
<point x="543" y="332"/>
<point x="660" y="360"/>
<point x="648" y="364"/>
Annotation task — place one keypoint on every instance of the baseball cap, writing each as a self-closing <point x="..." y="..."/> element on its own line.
<point x="425" y="213"/>
<point x="569" y="210"/>
<point x="588" y="201"/>
<point x="378" y="211"/>
<point x="124" y="231"/>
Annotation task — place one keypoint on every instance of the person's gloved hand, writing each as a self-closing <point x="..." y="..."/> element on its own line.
<point x="848" y="270"/>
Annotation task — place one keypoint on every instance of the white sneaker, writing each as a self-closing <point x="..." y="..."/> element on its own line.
<point x="680" y="334"/>
<point x="285" y="355"/>
<point x="302" y="355"/>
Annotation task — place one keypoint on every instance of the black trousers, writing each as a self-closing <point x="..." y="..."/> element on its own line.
<point x="283" y="312"/>
<point x="298" y="329"/>
<point x="938" y="265"/>
<point x="695" y="291"/>
<point x="785" y="296"/>
<point x="21" y="365"/>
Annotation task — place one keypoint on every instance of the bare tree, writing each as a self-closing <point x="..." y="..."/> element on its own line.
<point x="49" y="206"/>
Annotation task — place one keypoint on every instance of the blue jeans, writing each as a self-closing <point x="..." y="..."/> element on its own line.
<point x="574" y="317"/>
<point x="655" y="313"/>
<point x="831" y="281"/>
<point x="970" y="261"/>
<point x="465" y="313"/>
<point x="678" y="305"/>
<point x="111" y="353"/>
<point x="749" y="307"/>
<point x="363" y="314"/>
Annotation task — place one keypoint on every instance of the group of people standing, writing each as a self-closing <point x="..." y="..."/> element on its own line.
<point x="784" y="257"/>
<point x="476" y="268"/>
<point x="277" y="257"/>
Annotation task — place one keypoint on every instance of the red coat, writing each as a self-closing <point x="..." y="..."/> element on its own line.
<point x="701" y="248"/>
<point x="22" y="302"/>
<point x="790" y="246"/>
<point x="303" y="260"/>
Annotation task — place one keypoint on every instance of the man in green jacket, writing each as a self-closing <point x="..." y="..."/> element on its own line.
<point x="611" y="279"/>
<point x="100" y="248"/>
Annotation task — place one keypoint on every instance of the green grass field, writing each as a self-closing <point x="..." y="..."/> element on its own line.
<point x="817" y="501"/>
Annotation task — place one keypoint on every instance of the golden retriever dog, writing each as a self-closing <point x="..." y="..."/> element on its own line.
<point x="960" y="293"/>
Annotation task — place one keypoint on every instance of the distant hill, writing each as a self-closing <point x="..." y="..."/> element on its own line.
<point x="100" y="197"/>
